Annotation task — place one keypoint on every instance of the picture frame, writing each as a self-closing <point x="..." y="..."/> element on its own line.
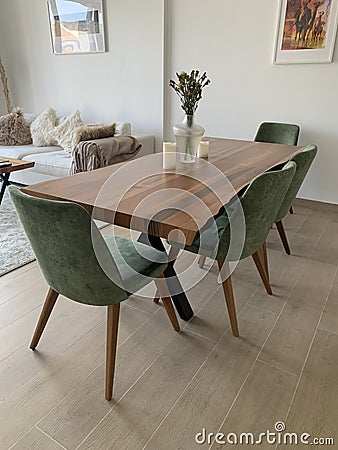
<point x="76" y="26"/>
<point x="306" y="31"/>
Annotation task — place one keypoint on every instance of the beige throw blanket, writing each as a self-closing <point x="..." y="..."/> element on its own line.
<point x="90" y="155"/>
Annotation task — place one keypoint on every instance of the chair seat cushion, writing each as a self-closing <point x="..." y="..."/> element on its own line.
<point x="136" y="262"/>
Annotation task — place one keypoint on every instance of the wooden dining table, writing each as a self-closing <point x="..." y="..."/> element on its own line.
<point x="159" y="203"/>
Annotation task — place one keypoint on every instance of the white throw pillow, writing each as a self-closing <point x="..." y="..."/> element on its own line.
<point x="42" y="128"/>
<point x="123" y="128"/>
<point x="63" y="133"/>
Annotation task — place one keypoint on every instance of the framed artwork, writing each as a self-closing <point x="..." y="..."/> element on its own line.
<point x="76" y="26"/>
<point x="306" y="31"/>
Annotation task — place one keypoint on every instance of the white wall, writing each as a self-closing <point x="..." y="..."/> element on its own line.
<point x="123" y="84"/>
<point x="234" y="41"/>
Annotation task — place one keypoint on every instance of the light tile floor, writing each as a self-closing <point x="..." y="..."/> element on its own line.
<point x="170" y="386"/>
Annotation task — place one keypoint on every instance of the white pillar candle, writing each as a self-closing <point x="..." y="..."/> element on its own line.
<point x="169" y="155"/>
<point x="203" y="149"/>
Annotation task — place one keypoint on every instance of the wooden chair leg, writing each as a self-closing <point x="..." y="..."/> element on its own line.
<point x="281" y="231"/>
<point x="229" y="297"/>
<point x="261" y="269"/>
<point x="157" y="297"/>
<point x="201" y="261"/>
<point x="264" y="254"/>
<point x="166" y="299"/>
<point x="291" y="210"/>
<point x="173" y="253"/>
<point x="171" y="313"/>
<point x="113" y="314"/>
<point x="44" y="316"/>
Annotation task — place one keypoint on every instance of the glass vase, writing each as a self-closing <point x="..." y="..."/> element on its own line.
<point x="188" y="136"/>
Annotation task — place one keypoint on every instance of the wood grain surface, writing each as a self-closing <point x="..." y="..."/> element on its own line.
<point x="17" y="164"/>
<point x="140" y="195"/>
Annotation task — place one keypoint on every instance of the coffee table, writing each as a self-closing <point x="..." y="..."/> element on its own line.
<point x="5" y="172"/>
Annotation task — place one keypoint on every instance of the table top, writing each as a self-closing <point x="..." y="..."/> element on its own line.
<point x="142" y="196"/>
<point x="17" y="164"/>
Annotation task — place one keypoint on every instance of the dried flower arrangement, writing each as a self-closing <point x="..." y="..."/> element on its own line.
<point x="189" y="89"/>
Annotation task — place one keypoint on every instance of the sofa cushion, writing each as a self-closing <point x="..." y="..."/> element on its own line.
<point x="42" y="128"/>
<point x="63" y="133"/>
<point x="14" y="129"/>
<point x="21" y="151"/>
<point x="56" y="164"/>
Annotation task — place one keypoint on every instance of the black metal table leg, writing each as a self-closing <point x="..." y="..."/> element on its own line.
<point x="180" y="300"/>
<point x="4" y="177"/>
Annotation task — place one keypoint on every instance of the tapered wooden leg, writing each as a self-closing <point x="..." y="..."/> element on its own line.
<point x="157" y="297"/>
<point x="229" y="297"/>
<point x="261" y="269"/>
<point x="291" y="210"/>
<point x="281" y="231"/>
<point x="113" y="314"/>
<point x="44" y="316"/>
<point x="201" y="261"/>
<point x="164" y="294"/>
<point x="173" y="254"/>
<point x="171" y="313"/>
<point x="264" y="254"/>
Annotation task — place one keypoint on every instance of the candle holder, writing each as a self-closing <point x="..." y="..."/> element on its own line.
<point x="169" y="155"/>
<point x="203" y="149"/>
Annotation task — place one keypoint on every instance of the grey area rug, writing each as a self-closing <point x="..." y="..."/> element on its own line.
<point x="15" y="250"/>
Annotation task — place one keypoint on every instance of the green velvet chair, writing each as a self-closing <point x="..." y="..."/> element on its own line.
<point x="80" y="264"/>
<point x="274" y="133"/>
<point x="303" y="160"/>
<point x="278" y="133"/>
<point x="259" y="205"/>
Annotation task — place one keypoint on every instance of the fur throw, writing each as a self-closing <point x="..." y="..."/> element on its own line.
<point x="14" y="130"/>
<point x="90" y="132"/>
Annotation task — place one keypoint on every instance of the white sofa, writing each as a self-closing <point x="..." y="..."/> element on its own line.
<point x="54" y="162"/>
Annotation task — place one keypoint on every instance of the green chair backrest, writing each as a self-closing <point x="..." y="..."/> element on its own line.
<point x="303" y="160"/>
<point x="61" y="235"/>
<point x="260" y="204"/>
<point x="278" y="133"/>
